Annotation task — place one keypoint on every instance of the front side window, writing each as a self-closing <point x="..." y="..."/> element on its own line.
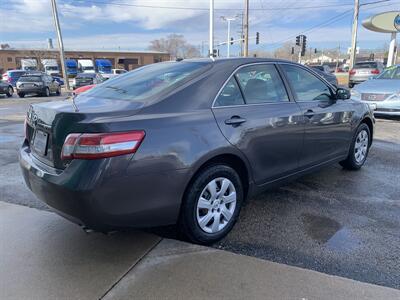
<point x="306" y="86"/>
<point x="261" y="84"/>
<point x="230" y="94"/>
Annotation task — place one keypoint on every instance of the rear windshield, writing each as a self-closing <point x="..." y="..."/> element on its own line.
<point x="321" y="68"/>
<point x="366" y="65"/>
<point x="390" y="73"/>
<point x="52" y="68"/>
<point x="30" y="78"/>
<point x="149" y="81"/>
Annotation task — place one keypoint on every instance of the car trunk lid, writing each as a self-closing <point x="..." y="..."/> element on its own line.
<point x="48" y="124"/>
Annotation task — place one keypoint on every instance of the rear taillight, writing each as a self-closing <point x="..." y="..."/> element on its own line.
<point x="352" y="72"/>
<point x="375" y="71"/>
<point x="101" y="145"/>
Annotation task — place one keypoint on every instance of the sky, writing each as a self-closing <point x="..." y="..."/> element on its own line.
<point x="132" y="24"/>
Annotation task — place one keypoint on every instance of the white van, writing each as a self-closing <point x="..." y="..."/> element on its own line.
<point x="86" y="65"/>
<point x="50" y="66"/>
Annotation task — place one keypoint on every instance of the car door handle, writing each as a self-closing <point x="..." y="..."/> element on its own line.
<point x="235" y="121"/>
<point x="309" y="113"/>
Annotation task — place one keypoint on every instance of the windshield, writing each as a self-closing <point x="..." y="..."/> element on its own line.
<point x="30" y="78"/>
<point x="30" y="68"/>
<point x="366" y="65"/>
<point x="390" y="73"/>
<point x="87" y="68"/>
<point x="149" y="81"/>
<point x="52" y="68"/>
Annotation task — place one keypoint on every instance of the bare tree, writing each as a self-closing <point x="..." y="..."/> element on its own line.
<point x="176" y="45"/>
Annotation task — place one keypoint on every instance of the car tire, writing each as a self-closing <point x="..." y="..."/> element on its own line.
<point x="10" y="91"/>
<point x="21" y="95"/>
<point x="211" y="219"/>
<point x="359" y="149"/>
<point x="58" y="92"/>
<point x="351" y="85"/>
<point x="46" y="92"/>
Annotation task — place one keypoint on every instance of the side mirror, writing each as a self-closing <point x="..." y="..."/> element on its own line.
<point x="343" y="94"/>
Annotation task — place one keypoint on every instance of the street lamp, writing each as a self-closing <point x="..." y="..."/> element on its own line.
<point x="228" y="40"/>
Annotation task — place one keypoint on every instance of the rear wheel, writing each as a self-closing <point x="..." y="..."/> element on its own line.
<point x="58" y="92"/>
<point x="21" y="95"/>
<point x="359" y="149"/>
<point x="211" y="205"/>
<point x="46" y="92"/>
<point x="10" y="91"/>
<point x="351" y="85"/>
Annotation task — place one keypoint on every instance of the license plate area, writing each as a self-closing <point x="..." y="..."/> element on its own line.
<point x="40" y="142"/>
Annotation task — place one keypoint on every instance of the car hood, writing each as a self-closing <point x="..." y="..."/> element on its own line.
<point x="384" y="86"/>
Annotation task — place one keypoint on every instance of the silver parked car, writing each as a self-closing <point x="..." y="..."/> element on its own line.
<point x="381" y="92"/>
<point x="362" y="71"/>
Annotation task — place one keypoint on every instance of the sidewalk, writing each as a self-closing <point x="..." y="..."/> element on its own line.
<point x="45" y="257"/>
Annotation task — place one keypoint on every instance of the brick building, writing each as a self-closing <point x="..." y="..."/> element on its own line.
<point x="11" y="58"/>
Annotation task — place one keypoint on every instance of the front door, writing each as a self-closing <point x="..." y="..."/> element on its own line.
<point x="254" y="113"/>
<point x="327" y="120"/>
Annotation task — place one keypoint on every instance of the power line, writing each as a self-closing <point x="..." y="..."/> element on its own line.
<point x="206" y="9"/>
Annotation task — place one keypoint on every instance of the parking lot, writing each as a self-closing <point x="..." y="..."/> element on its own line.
<point x="334" y="221"/>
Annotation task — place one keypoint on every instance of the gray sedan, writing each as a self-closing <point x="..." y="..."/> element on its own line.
<point x="187" y="142"/>
<point x="381" y="93"/>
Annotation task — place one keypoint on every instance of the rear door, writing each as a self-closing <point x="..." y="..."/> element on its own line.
<point x="327" y="121"/>
<point x="255" y="114"/>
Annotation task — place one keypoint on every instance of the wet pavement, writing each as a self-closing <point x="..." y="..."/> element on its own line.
<point x="333" y="221"/>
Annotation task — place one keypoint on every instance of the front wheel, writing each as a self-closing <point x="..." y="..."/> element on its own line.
<point x="58" y="92"/>
<point x="359" y="149"/>
<point x="211" y="204"/>
<point x="21" y="95"/>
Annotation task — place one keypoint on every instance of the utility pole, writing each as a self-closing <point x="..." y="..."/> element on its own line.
<point x="246" y="28"/>
<point x="211" y="42"/>
<point x="354" y="34"/>
<point x="60" y="42"/>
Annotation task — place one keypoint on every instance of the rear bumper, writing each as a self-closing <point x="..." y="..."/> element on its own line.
<point x="37" y="90"/>
<point x="87" y="194"/>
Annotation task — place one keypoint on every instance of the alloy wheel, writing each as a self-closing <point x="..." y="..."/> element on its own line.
<point x="361" y="146"/>
<point x="216" y="205"/>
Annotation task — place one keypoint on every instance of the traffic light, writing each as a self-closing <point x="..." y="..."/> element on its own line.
<point x="303" y="45"/>
<point x="257" y="38"/>
<point x="298" y="40"/>
<point x="231" y="41"/>
<point x="292" y="50"/>
<point x="315" y="50"/>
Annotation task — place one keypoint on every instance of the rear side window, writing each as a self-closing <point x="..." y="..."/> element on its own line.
<point x="366" y="65"/>
<point x="306" y="86"/>
<point x="230" y="94"/>
<point x="261" y="84"/>
<point x="149" y="81"/>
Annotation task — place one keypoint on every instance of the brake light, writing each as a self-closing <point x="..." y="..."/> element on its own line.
<point x="375" y="71"/>
<point x="101" y="145"/>
<point x="352" y="72"/>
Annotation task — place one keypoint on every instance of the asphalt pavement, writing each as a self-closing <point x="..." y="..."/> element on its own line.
<point x="333" y="221"/>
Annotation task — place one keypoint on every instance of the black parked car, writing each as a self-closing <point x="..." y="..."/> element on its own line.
<point x="39" y="84"/>
<point x="6" y="89"/>
<point x="187" y="142"/>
